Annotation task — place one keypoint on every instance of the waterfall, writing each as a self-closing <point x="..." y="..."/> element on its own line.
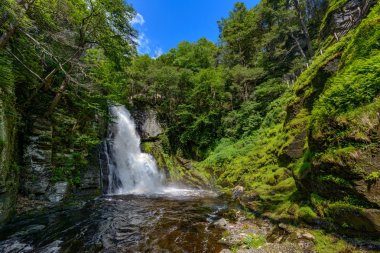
<point x="130" y="170"/>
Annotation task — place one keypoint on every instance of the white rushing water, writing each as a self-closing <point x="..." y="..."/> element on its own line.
<point x="130" y="171"/>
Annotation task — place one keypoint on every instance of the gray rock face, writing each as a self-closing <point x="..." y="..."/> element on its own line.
<point x="347" y="17"/>
<point x="38" y="159"/>
<point x="58" y="192"/>
<point x="221" y="222"/>
<point x="147" y="124"/>
<point x="151" y="127"/>
<point x="91" y="177"/>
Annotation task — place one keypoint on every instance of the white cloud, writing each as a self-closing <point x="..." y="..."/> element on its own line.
<point x="143" y="44"/>
<point x="157" y="53"/>
<point x="138" y="20"/>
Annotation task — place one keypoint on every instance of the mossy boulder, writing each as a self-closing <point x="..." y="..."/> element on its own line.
<point x="355" y="220"/>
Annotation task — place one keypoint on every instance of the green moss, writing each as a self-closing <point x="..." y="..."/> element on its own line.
<point x="373" y="177"/>
<point x="355" y="86"/>
<point x="307" y="214"/>
<point x="303" y="165"/>
<point x="9" y="120"/>
<point x="328" y="243"/>
<point x="334" y="5"/>
<point x="335" y="179"/>
<point x="254" y="241"/>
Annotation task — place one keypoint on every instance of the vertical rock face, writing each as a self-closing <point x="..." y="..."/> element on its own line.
<point x="8" y="169"/>
<point x="343" y="19"/>
<point x="91" y="180"/>
<point x="147" y="124"/>
<point x="40" y="158"/>
<point x="37" y="159"/>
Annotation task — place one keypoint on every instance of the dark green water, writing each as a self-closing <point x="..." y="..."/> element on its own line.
<point x="120" y="224"/>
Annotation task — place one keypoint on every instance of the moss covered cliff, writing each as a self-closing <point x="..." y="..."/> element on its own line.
<point x="315" y="157"/>
<point x="9" y="170"/>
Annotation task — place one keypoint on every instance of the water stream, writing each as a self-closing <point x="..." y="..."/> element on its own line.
<point x="139" y="213"/>
<point x="130" y="170"/>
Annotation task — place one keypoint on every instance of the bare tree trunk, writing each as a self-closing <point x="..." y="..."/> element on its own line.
<point x="58" y="96"/>
<point x="298" y="45"/>
<point x="304" y="28"/>
<point x="13" y="26"/>
<point x="64" y="83"/>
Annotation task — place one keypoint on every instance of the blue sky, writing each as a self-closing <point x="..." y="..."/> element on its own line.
<point x="162" y="24"/>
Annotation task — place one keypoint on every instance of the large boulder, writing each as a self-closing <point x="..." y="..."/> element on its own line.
<point x="147" y="124"/>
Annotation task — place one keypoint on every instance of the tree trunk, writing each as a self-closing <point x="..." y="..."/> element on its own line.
<point x="64" y="83"/>
<point x="58" y="96"/>
<point x="298" y="45"/>
<point x="304" y="28"/>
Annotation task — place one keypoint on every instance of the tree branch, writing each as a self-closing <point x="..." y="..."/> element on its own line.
<point x="26" y="67"/>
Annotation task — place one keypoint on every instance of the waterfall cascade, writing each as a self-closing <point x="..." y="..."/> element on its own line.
<point x="130" y="170"/>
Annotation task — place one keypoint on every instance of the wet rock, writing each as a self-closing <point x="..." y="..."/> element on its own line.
<point x="53" y="247"/>
<point x="305" y="235"/>
<point x="30" y="230"/>
<point x="300" y="240"/>
<point x="90" y="178"/>
<point x="221" y="223"/>
<point x="35" y="178"/>
<point x="354" y="220"/>
<point x="36" y="187"/>
<point x="26" y="205"/>
<point x="13" y="245"/>
<point x="58" y="192"/>
<point x="237" y="192"/>
<point x="234" y="239"/>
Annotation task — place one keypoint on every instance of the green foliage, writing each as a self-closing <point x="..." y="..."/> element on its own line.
<point x="70" y="171"/>
<point x="373" y="177"/>
<point x="2" y="143"/>
<point x="197" y="56"/>
<point x="64" y="60"/>
<point x="357" y="85"/>
<point x="328" y="243"/>
<point x="335" y="179"/>
<point x="6" y="73"/>
<point x="307" y="214"/>
<point x="254" y="241"/>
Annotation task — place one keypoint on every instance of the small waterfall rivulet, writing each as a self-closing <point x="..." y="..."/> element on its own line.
<point x="130" y="170"/>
